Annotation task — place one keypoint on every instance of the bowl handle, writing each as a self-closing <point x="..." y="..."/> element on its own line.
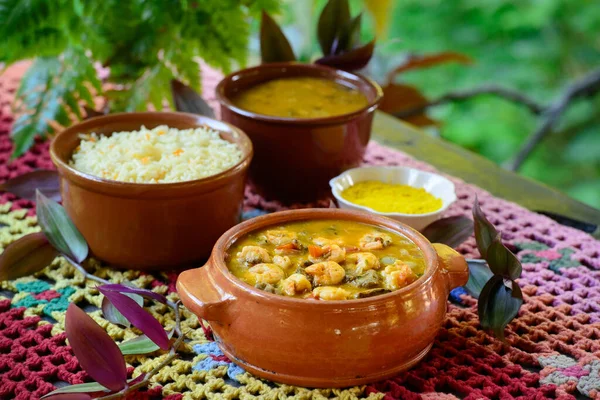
<point x="198" y="293"/>
<point x="453" y="265"/>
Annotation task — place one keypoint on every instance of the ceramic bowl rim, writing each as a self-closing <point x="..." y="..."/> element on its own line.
<point x="226" y="240"/>
<point x="63" y="165"/>
<point x="224" y="100"/>
<point x="338" y="197"/>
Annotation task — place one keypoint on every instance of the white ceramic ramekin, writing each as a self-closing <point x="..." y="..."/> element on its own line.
<point x="435" y="184"/>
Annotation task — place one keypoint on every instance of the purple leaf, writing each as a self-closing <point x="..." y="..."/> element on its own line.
<point x="138" y="317"/>
<point x="26" y="256"/>
<point x="69" y="396"/>
<point x="110" y="313"/>
<point x="479" y="275"/>
<point x="351" y="60"/>
<point x="187" y="100"/>
<point x="274" y="46"/>
<point x="485" y="233"/>
<point x="137" y="379"/>
<point x="96" y="352"/>
<point x="24" y="186"/>
<point x="149" y="294"/>
<point x="451" y="231"/>
<point x="59" y="229"/>
<point x="139" y="345"/>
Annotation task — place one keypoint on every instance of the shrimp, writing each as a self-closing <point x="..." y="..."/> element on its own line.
<point x="280" y="237"/>
<point x="253" y="255"/>
<point x="364" y="261"/>
<point x="295" y="284"/>
<point x="267" y="273"/>
<point x="283" y="261"/>
<point x="326" y="273"/>
<point x="328" y="253"/>
<point x="398" y="275"/>
<point x="330" y="293"/>
<point x="375" y="241"/>
<point x="321" y="241"/>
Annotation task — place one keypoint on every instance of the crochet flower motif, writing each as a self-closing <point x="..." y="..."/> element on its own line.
<point x="214" y="359"/>
<point x="570" y="375"/>
<point x="538" y="252"/>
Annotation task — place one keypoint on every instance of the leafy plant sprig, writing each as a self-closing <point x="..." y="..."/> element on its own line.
<point x="492" y="280"/>
<point x="95" y="350"/>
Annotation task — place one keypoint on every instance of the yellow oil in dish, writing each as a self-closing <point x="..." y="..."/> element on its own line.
<point x="392" y="198"/>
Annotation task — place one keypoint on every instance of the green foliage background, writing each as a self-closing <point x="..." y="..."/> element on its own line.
<point x="537" y="47"/>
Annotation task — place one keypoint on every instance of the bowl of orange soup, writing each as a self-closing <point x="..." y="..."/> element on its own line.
<point x="308" y="123"/>
<point x="324" y="297"/>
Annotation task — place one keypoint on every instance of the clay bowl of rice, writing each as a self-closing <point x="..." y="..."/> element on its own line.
<point x="152" y="190"/>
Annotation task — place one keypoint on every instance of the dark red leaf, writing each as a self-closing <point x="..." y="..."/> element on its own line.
<point x="149" y="294"/>
<point x="69" y="396"/>
<point x="187" y="100"/>
<point x="398" y="98"/>
<point x="429" y="60"/>
<point x="334" y="19"/>
<point x="274" y="46"/>
<point x="451" y="231"/>
<point x="110" y="313"/>
<point x="24" y="186"/>
<point x="26" y="256"/>
<point x="96" y="352"/>
<point x="485" y="233"/>
<point x="502" y="261"/>
<point x="351" y="60"/>
<point x="349" y="38"/>
<point x="138" y="317"/>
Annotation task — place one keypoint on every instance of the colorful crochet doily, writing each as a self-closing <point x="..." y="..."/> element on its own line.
<point x="551" y="349"/>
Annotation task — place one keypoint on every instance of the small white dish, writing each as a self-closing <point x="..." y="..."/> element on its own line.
<point x="435" y="184"/>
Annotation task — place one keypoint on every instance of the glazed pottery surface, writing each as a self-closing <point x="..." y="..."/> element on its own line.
<point x="323" y="343"/>
<point x="150" y="226"/>
<point x="295" y="158"/>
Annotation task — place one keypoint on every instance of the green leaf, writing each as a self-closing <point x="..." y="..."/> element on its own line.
<point x="90" y="387"/>
<point x="49" y="90"/>
<point x="451" y="231"/>
<point x="334" y="18"/>
<point x="26" y="256"/>
<point x="274" y="46"/>
<point x="140" y="345"/>
<point x="499" y="304"/>
<point x="479" y="275"/>
<point x="502" y="261"/>
<point x="59" y="229"/>
<point x="485" y="233"/>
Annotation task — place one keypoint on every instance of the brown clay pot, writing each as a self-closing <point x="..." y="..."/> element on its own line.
<point x="323" y="343"/>
<point x="295" y="158"/>
<point x="150" y="226"/>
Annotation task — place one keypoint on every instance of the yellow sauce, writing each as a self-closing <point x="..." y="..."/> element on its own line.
<point x="302" y="97"/>
<point x="298" y="241"/>
<point x="392" y="198"/>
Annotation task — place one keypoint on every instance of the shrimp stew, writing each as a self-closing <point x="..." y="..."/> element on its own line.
<point x="302" y="97"/>
<point x="326" y="260"/>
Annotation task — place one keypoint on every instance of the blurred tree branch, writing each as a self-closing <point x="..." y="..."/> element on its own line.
<point x="585" y="87"/>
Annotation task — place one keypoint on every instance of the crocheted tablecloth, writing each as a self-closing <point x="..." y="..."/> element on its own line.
<point x="551" y="349"/>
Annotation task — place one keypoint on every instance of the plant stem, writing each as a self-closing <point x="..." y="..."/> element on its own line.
<point x="85" y="274"/>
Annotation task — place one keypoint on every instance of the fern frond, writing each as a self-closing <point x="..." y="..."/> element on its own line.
<point x="50" y="91"/>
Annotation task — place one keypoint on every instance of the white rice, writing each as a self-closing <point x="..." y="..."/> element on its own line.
<point x="159" y="155"/>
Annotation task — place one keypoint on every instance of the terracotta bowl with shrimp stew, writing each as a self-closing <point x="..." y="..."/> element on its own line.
<point x="308" y="123"/>
<point x="324" y="297"/>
